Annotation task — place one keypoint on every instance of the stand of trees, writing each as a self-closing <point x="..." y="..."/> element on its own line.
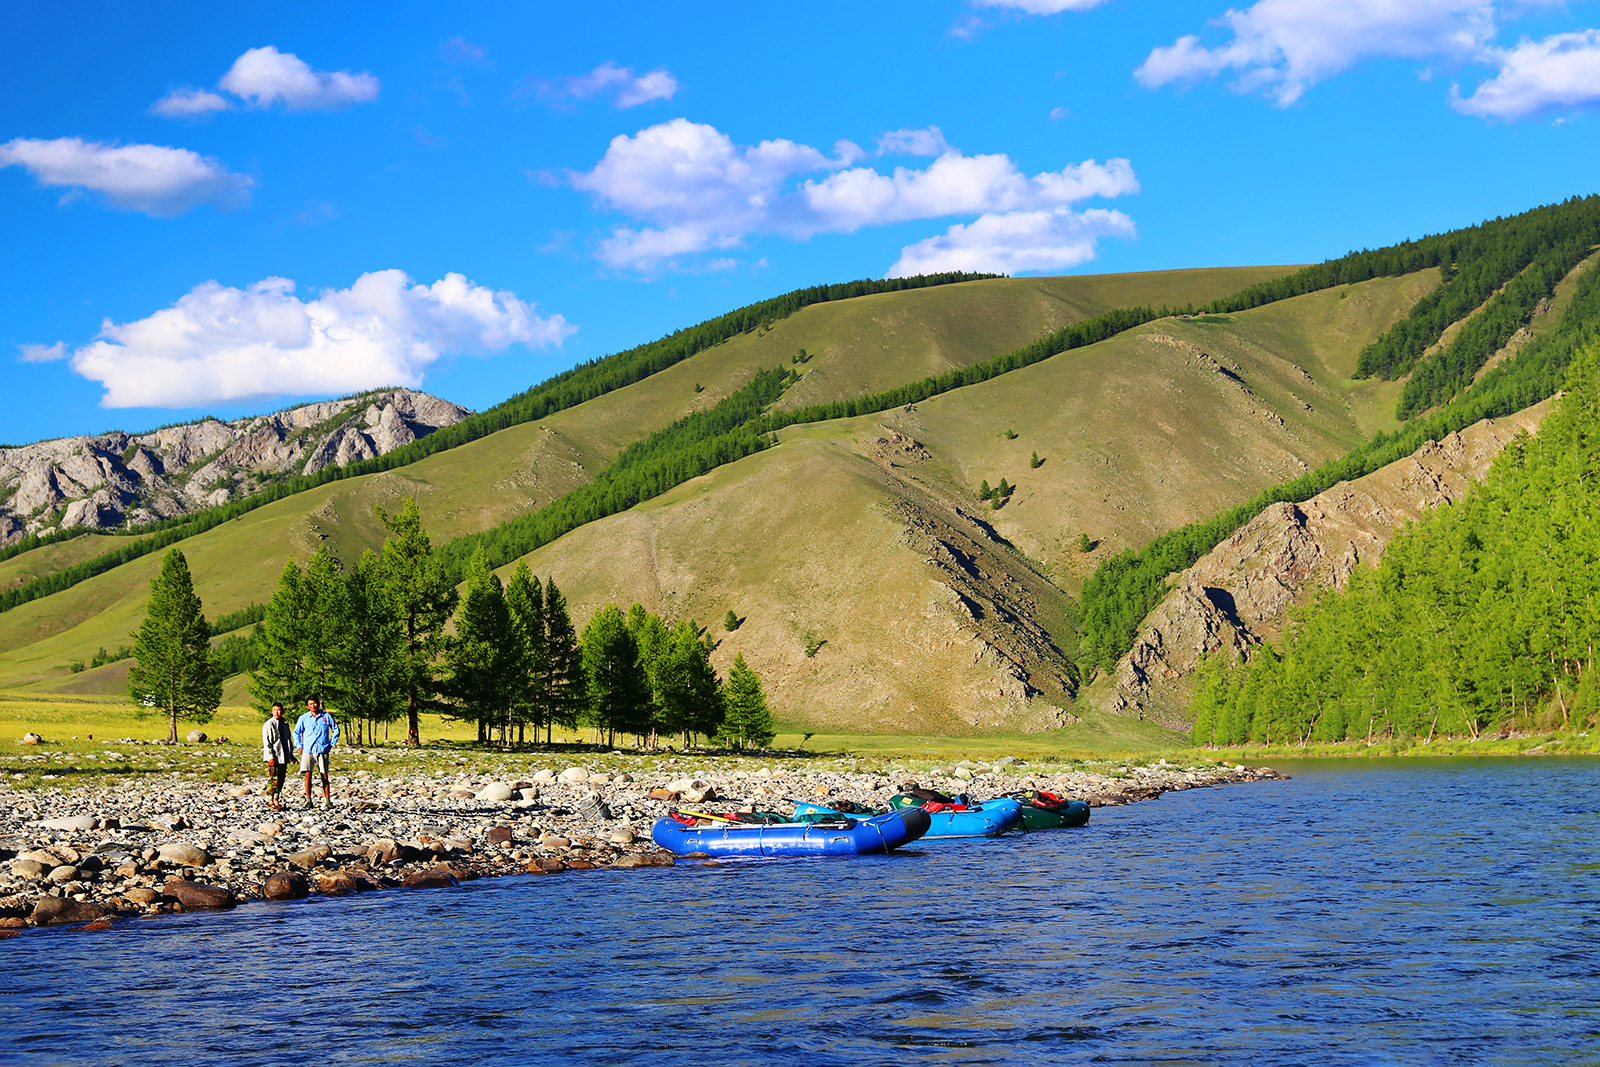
<point x="1482" y="616"/>
<point x="373" y="641"/>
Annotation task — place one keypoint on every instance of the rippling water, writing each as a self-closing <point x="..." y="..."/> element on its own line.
<point x="1361" y="913"/>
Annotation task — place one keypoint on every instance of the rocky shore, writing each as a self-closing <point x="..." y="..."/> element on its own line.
<point x="89" y="855"/>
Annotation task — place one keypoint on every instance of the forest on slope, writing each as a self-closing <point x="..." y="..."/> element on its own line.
<point x="1481" y="616"/>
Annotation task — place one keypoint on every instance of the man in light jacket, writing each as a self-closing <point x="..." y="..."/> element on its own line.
<point x="315" y="734"/>
<point x="277" y="747"/>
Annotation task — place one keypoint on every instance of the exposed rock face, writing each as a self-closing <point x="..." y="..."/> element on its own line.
<point x="1240" y="593"/>
<point x="119" y="479"/>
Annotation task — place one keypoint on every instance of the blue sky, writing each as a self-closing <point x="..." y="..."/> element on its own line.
<point x="225" y="210"/>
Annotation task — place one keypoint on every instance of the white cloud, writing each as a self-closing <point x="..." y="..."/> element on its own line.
<point x="189" y="103"/>
<point x="1015" y="241"/>
<point x="1282" y="47"/>
<point x="266" y="76"/>
<point x="219" y="343"/>
<point x="1041" y="7"/>
<point x="149" y="178"/>
<point x="625" y="87"/>
<point x="461" y="50"/>
<point x="43" y="353"/>
<point x="927" y="142"/>
<point x="1560" y="71"/>
<point x="698" y="191"/>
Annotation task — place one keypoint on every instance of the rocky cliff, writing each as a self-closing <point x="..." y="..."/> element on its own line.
<point x="1239" y="595"/>
<point x="118" y="479"/>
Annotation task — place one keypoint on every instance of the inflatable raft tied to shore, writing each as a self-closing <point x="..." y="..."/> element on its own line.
<point x="1047" y="811"/>
<point x="687" y="835"/>
<point x="988" y="818"/>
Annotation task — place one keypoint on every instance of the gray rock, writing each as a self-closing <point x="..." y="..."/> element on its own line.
<point x="30" y="868"/>
<point x="592" y="806"/>
<point x="195" y="737"/>
<point x="544" y="774"/>
<point x="183" y="854"/>
<point x="249" y="837"/>
<point x="573" y="775"/>
<point x="70" y="822"/>
<point x="310" y="857"/>
<point x="64" y="873"/>
<point x="495" y="792"/>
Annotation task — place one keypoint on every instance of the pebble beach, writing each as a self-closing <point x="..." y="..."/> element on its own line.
<point x="88" y="855"/>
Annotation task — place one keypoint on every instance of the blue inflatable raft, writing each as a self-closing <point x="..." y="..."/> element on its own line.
<point x="988" y="818"/>
<point x="838" y="836"/>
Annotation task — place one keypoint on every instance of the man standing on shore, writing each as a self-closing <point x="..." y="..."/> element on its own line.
<point x="315" y="734"/>
<point x="277" y="745"/>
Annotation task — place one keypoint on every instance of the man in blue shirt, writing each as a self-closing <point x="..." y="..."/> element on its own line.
<point x="315" y="734"/>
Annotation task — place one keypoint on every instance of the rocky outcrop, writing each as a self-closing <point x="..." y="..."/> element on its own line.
<point x="119" y="479"/>
<point x="1240" y="593"/>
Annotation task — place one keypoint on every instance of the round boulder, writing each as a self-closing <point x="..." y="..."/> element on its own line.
<point x="183" y="854"/>
<point x="573" y="775"/>
<point x="31" y="738"/>
<point x="54" y="911"/>
<point x="286" y="885"/>
<point x="196" y="737"/>
<point x="495" y="792"/>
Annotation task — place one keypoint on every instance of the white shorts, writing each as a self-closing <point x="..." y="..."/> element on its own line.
<point x="319" y="762"/>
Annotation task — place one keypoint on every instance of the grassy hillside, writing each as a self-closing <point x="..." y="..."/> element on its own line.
<point x="484" y="482"/>
<point x="936" y="612"/>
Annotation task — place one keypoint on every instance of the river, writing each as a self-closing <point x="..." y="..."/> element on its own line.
<point x="1363" y="912"/>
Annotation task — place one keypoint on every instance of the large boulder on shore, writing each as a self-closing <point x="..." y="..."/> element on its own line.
<point x="195" y="895"/>
<point x="183" y="854"/>
<point x="55" y="911"/>
<point x="495" y="792"/>
<point x="432" y="878"/>
<point x="286" y="885"/>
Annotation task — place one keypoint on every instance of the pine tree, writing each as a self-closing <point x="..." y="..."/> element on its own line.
<point x="525" y="599"/>
<point x="688" y="696"/>
<point x="567" y="686"/>
<point x="619" y="692"/>
<point x="172" y="665"/>
<point x="731" y="621"/>
<point x="322" y="599"/>
<point x="425" y="598"/>
<point x="485" y="658"/>
<point x="368" y="665"/>
<point x="281" y="642"/>
<point x="747" y="723"/>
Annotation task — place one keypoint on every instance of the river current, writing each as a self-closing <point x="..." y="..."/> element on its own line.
<point x="1363" y="912"/>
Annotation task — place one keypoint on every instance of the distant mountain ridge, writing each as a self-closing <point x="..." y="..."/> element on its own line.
<point x="117" y="479"/>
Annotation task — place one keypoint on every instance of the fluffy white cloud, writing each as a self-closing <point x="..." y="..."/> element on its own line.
<point x="1015" y="241"/>
<point x="188" y="103"/>
<point x="1041" y="7"/>
<point x="150" y="178"/>
<point x="219" y="343"/>
<point x="699" y="191"/>
<point x="1282" y="47"/>
<point x="266" y="76"/>
<point x="955" y="184"/>
<point x="1560" y="71"/>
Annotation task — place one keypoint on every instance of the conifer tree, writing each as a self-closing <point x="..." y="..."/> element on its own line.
<point x="485" y="658"/>
<point x="368" y="665"/>
<point x="525" y="599"/>
<point x="619" y="692"/>
<point x="747" y="722"/>
<point x="322" y="600"/>
<point x="566" y="686"/>
<point x="279" y="675"/>
<point x="425" y="598"/>
<point x="172" y="666"/>
<point x="688" y="696"/>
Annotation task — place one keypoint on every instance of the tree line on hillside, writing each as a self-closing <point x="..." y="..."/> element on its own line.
<point x="1480" y="617"/>
<point x="375" y="643"/>
<point x="1123" y="589"/>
